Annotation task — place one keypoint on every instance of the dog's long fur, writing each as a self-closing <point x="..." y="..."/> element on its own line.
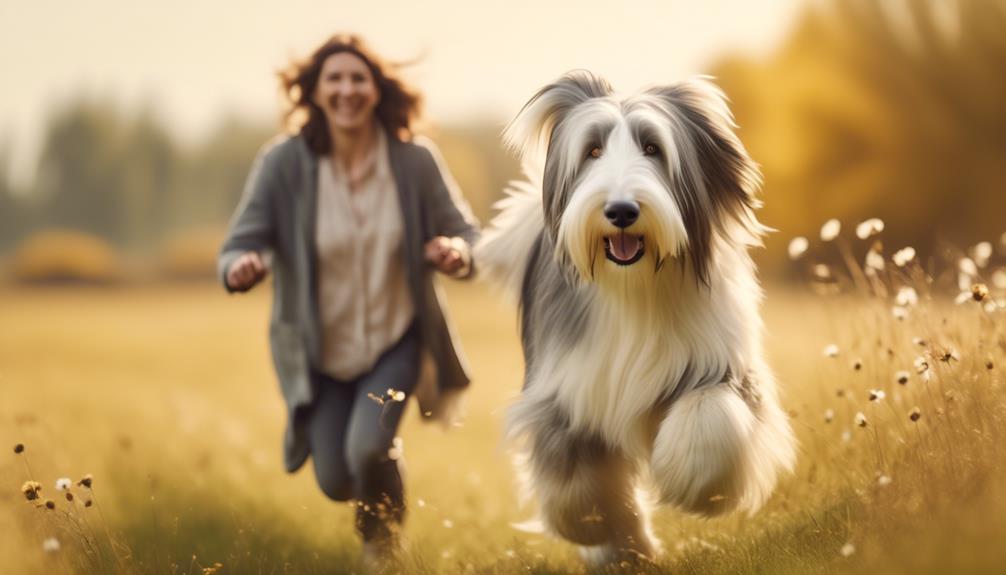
<point x="650" y="370"/>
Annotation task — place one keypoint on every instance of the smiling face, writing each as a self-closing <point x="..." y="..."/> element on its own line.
<point x="614" y="191"/>
<point x="631" y="182"/>
<point x="346" y="92"/>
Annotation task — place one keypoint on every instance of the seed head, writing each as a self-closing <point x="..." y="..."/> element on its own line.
<point x="870" y="227"/>
<point x="903" y="256"/>
<point x="797" y="247"/>
<point x="981" y="253"/>
<point x="979" y="292"/>
<point x="915" y="414"/>
<point x="86" y="481"/>
<point x="999" y="278"/>
<point x="874" y="260"/>
<point x="830" y="230"/>
<point x="861" y="419"/>
<point x="857" y="365"/>
<point x="829" y="415"/>
<point x="989" y="364"/>
<point x="19" y="448"/>
<point x="31" y="489"/>
<point x="63" y="484"/>
<point x="50" y="545"/>
<point x="967" y="266"/>
<point x="907" y="296"/>
<point x="88" y="503"/>
<point x="877" y="394"/>
<point x="902" y="377"/>
<point x="831" y="350"/>
<point x="50" y="504"/>
<point x="69" y="496"/>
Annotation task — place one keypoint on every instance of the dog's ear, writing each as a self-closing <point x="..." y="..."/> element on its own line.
<point x="531" y="130"/>
<point x="717" y="174"/>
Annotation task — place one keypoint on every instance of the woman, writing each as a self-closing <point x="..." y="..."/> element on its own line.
<point x="352" y="218"/>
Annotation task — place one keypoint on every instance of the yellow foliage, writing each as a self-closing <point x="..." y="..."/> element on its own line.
<point x="56" y="255"/>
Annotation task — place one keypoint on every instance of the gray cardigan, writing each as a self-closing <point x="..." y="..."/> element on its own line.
<point x="277" y="215"/>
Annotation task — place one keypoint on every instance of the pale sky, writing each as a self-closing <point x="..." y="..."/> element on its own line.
<point x="192" y="60"/>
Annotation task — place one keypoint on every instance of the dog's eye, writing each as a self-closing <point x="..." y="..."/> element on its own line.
<point x="651" y="150"/>
<point x="595" y="152"/>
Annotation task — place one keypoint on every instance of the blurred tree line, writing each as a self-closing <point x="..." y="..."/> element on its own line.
<point x="892" y="109"/>
<point x="124" y="179"/>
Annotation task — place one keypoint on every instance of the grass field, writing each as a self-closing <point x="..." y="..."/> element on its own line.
<point x="166" y="395"/>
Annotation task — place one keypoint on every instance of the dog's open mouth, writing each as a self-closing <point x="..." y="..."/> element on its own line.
<point x="623" y="248"/>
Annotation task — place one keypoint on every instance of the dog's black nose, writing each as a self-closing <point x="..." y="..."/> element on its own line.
<point x="622" y="213"/>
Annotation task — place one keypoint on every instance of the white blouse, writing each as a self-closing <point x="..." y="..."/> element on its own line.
<point x="363" y="290"/>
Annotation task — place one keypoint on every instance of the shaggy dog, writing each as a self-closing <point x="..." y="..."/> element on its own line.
<point x="639" y="312"/>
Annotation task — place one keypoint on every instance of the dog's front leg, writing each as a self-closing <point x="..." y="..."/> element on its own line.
<point x="720" y="447"/>
<point x="586" y="490"/>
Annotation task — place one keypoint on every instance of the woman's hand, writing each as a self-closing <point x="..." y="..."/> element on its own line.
<point x="448" y="255"/>
<point x="246" y="271"/>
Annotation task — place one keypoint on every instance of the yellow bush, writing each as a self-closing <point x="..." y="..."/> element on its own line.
<point x="56" y="256"/>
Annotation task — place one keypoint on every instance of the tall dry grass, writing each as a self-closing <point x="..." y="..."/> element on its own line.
<point x="166" y="397"/>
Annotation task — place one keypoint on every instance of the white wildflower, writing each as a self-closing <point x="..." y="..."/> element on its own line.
<point x="967" y="266"/>
<point x="822" y="271"/>
<point x="874" y="260"/>
<point x="861" y="419"/>
<point x="963" y="297"/>
<point x="991" y="307"/>
<point x="63" y="484"/>
<point x="877" y="394"/>
<point x="50" y="545"/>
<point x="964" y="281"/>
<point x="883" y="481"/>
<point x="870" y="227"/>
<point x="907" y="296"/>
<point x="846" y="436"/>
<point x="797" y="247"/>
<point x="448" y="524"/>
<point x="903" y="256"/>
<point x="831" y="350"/>
<point x="899" y="312"/>
<point x="848" y="550"/>
<point x="919" y="341"/>
<point x="829" y="415"/>
<point x="999" y="278"/>
<point x="830" y="230"/>
<point x="921" y="364"/>
<point x="981" y="253"/>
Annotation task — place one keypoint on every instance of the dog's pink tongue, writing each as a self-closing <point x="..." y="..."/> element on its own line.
<point x="625" y="246"/>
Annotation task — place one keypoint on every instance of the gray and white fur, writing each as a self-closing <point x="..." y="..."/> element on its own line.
<point x="628" y="253"/>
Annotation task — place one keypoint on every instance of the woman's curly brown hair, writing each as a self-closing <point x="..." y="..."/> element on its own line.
<point x="398" y="107"/>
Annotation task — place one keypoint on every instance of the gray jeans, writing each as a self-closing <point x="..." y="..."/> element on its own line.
<point x="350" y="429"/>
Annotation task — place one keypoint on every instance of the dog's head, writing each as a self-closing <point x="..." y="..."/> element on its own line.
<point x="631" y="182"/>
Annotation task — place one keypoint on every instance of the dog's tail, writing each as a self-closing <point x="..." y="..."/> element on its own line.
<point x="505" y="248"/>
